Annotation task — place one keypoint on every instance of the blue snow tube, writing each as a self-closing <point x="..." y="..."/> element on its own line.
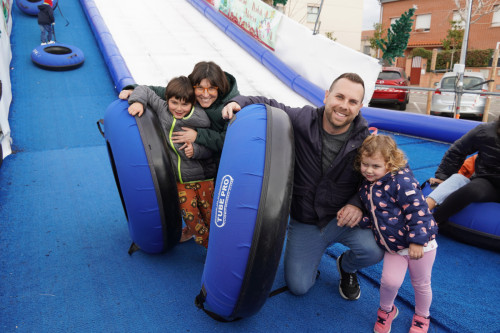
<point x="30" y="7"/>
<point x="57" y="56"/>
<point x="252" y="199"/>
<point x="144" y="176"/>
<point x="477" y="224"/>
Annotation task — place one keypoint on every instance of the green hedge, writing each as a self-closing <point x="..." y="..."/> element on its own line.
<point x="475" y="58"/>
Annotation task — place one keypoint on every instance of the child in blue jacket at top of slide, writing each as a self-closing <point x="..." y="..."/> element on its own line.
<point x="402" y="225"/>
<point x="46" y="21"/>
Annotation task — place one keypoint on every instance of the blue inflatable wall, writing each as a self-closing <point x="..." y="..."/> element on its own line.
<point x="434" y="128"/>
<point x="114" y="60"/>
<point x="262" y="54"/>
<point x="430" y="127"/>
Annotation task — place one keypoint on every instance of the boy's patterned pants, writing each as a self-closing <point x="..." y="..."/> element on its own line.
<point x="196" y="207"/>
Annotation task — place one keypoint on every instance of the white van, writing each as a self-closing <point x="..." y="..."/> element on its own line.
<point x="443" y="103"/>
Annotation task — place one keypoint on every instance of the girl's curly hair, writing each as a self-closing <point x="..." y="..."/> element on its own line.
<point x="385" y="145"/>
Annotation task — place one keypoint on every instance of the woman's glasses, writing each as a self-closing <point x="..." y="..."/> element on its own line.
<point x="209" y="90"/>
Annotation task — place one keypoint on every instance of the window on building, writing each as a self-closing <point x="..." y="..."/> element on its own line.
<point x="312" y="13"/>
<point x="393" y="20"/>
<point x="459" y="22"/>
<point x="423" y="22"/>
<point x="495" y="22"/>
<point x="366" y="49"/>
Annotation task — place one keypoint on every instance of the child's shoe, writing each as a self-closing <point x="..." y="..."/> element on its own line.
<point x="419" y="324"/>
<point x="51" y="42"/>
<point x="186" y="235"/>
<point x="43" y="44"/>
<point x="384" y="320"/>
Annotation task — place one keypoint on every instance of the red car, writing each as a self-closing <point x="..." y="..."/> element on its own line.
<point x="392" y="76"/>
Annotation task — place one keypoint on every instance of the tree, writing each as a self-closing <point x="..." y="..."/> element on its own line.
<point x="283" y="2"/>
<point x="377" y="34"/>
<point x="329" y="35"/>
<point x="454" y="39"/>
<point x="273" y="3"/>
<point x="479" y="8"/>
<point x="397" y="38"/>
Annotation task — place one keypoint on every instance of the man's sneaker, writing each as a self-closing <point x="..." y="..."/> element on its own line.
<point x="43" y="44"/>
<point x="419" y="324"/>
<point x="348" y="286"/>
<point x="384" y="320"/>
<point x="51" y="42"/>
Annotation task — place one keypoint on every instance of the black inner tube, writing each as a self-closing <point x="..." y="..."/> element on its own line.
<point x="58" y="50"/>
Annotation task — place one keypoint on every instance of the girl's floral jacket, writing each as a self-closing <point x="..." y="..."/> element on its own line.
<point x="396" y="211"/>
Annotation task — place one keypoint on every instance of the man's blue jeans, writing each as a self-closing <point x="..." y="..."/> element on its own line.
<point x="45" y="28"/>
<point x="306" y="244"/>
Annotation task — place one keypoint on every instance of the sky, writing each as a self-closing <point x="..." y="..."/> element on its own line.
<point x="371" y="12"/>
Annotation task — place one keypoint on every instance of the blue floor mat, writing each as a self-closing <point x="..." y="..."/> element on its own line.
<point x="57" y="109"/>
<point x="64" y="236"/>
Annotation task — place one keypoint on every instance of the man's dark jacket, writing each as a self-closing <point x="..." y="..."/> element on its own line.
<point x="317" y="197"/>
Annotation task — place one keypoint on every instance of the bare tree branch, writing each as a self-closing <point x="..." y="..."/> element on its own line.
<point x="479" y="8"/>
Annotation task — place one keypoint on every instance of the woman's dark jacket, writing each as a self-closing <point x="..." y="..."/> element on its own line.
<point x="482" y="139"/>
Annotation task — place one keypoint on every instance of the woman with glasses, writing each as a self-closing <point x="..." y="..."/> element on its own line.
<point x="213" y="88"/>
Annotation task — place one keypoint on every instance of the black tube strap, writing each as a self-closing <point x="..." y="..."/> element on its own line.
<point x="99" y="123"/>
<point x="133" y="247"/>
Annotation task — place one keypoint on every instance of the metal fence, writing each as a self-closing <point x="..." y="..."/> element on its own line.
<point x="434" y="89"/>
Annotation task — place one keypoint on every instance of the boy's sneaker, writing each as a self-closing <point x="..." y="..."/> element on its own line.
<point x="51" y="42"/>
<point x="348" y="286"/>
<point x="186" y="235"/>
<point x="43" y="44"/>
<point x="384" y="320"/>
<point x="419" y="324"/>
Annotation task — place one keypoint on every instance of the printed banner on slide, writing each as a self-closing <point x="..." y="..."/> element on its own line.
<point x="255" y="17"/>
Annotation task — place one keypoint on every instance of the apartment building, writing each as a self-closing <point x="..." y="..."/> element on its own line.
<point x="366" y="35"/>
<point x="339" y="20"/>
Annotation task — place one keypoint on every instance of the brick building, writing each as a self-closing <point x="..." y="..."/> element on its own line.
<point x="431" y="24"/>
<point x="366" y="35"/>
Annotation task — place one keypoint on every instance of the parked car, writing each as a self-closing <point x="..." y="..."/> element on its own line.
<point x="392" y="76"/>
<point x="443" y="103"/>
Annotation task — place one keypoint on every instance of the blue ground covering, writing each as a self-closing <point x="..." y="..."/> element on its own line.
<point x="64" y="239"/>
